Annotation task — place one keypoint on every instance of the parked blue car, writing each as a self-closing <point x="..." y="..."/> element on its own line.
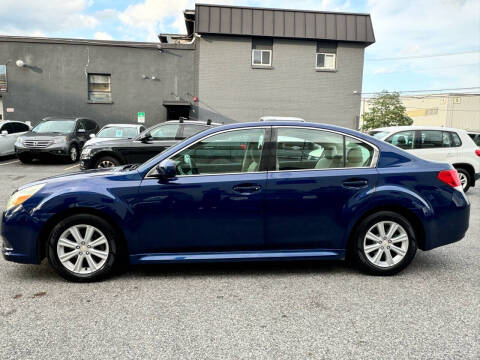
<point x="251" y="191"/>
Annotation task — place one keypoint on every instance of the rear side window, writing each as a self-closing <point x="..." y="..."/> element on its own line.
<point x="456" y="139"/>
<point x="304" y="149"/>
<point x="404" y="139"/>
<point x="165" y="132"/>
<point x="190" y="130"/>
<point x="430" y="139"/>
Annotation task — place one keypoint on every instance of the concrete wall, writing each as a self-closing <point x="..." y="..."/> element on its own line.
<point x="230" y="89"/>
<point x="55" y="80"/>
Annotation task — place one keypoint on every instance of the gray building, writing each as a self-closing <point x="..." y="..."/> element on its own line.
<point x="234" y="64"/>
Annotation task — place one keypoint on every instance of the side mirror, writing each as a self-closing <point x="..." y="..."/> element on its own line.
<point x="4" y="132"/>
<point x="81" y="131"/>
<point x="92" y="136"/>
<point x="145" y="138"/>
<point x="166" y="169"/>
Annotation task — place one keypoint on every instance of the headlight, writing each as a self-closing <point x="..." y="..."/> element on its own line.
<point x="19" y="141"/>
<point x="86" y="152"/>
<point x="23" y="195"/>
<point x="61" y="140"/>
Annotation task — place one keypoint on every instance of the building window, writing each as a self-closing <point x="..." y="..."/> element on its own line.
<point x="99" y="89"/>
<point x="325" y="61"/>
<point x="262" y="57"/>
<point x="326" y="55"/>
<point x="262" y="49"/>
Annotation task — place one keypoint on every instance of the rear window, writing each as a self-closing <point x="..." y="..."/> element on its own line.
<point x="117" y="132"/>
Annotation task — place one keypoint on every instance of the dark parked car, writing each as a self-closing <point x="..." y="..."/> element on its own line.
<point x="143" y="147"/>
<point x="61" y="137"/>
<point x="359" y="195"/>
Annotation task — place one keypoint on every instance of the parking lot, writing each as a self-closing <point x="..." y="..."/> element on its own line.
<point x="267" y="310"/>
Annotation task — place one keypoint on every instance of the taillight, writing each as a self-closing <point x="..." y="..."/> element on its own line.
<point x="477" y="152"/>
<point x="449" y="177"/>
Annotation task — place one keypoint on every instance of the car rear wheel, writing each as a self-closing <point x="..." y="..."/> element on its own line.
<point x="83" y="248"/>
<point x="106" y="162"/>
<point x="384" y="243"/>
<point x="465" y="179"/>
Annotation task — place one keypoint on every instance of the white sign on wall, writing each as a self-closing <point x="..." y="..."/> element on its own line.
<point x="141" y="117"/>
<point x="10" y="109"/>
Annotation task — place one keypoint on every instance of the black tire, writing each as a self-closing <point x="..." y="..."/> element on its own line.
<point x="358" y="243"/>
<point x="74" y="148"/>
<point x="25" y="159"/>
<point x="106" y="160"/>
<point x="112" y="262"/>
<point x="463" y="172"/>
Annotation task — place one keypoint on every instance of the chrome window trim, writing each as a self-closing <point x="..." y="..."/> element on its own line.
<point x="375" y="157"/>
<point x="374" y="163"/>
<point x="149" y="175"/>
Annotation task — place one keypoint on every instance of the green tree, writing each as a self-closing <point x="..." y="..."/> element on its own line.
<point x="386" y="110"/>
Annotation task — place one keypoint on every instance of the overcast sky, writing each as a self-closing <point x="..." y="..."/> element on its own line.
<point x="409" y="33"/>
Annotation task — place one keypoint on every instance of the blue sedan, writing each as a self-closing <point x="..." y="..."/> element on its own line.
<point x="243" y="192"/>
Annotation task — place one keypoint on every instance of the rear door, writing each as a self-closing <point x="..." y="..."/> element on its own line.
<point x="8" y="141"/>
<point x="311" y="194"/>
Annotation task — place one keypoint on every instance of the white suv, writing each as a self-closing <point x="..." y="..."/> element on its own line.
<point x="453" y="146"/>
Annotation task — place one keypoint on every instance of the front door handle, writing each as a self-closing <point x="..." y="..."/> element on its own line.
<point x="246" y="189"/>
<point x="355" y="183"/>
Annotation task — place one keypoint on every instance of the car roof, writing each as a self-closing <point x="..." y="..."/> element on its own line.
<point x="60" y="118"/>
<point x="281" y="118"/>
<point x="123" y="125"/>
<point x="414" y="127"/>
<point x="195" y="122"/>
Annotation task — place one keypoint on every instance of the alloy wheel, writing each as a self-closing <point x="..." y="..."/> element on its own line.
<point x="463" y="180"/>
<point x="386" y="244"/>
<point x="73" y="153"/>
<point x="82" y="249"/>
<point x="105" y="164"/>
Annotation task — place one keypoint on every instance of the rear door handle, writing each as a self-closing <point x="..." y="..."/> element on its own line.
<point x="355" y="183"/>
<point x="246" y="189"/>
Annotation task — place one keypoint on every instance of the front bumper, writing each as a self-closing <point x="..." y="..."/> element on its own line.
<point x="19" y="237"/>
<point x="57" y="150"/>
<point x="86" y="164"/>
<point x="477" y="176"/>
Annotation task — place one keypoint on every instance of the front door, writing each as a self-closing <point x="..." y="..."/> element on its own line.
<point x="216" y="201"/>
<point x="310" y="196"/>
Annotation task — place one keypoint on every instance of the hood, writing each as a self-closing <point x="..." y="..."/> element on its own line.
<point x="102" y="140"/>
<point x="49" y="135"/>
<point x="83" y="176"/>
<point x="105" y="142"/>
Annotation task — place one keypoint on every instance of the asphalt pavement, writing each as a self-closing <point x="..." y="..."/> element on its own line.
<point x="293" y="310"/>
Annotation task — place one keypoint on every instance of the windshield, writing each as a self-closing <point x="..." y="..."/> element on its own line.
<point x="61" y="126"/>
<point x="117" y="132"/>
<point x="378" y="134"/>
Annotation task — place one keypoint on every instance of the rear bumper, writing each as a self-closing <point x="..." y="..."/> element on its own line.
<point x="449" y="223"/>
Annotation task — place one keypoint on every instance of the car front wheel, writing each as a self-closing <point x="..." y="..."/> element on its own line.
<point x="385" y="243"/>
<point x="83" y="248"/>
<point x="106" y="162"/>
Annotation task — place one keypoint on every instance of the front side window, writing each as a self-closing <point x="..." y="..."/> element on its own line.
<point x="99" y="89"/>
<point x="238" y="151"/>
<point x="165" y="132"/>
<point x="62" y="126"/>
<point x="326" y="61"/>
<point x="262" y="57"/>
<point x="404" y="139"/>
